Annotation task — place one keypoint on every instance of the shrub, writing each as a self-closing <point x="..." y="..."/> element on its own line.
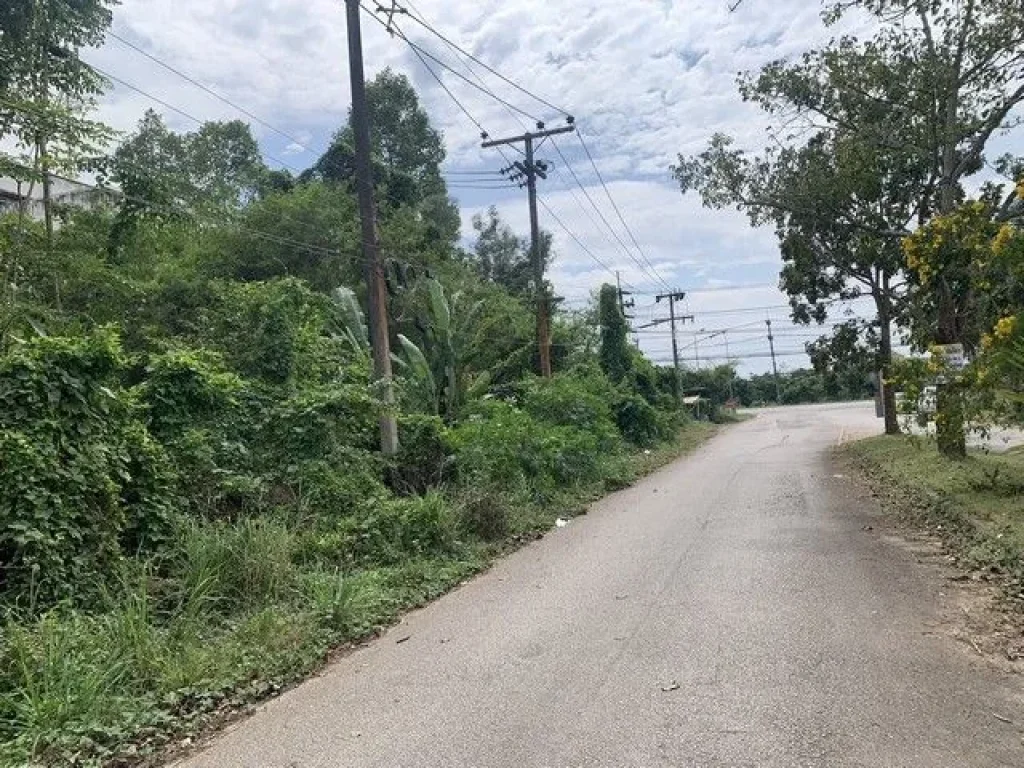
<point x="484" y="512"/>
<point x="638" y="421"/>
<point x="580" y="399"/>
<point x="185" y="388"/>
<point x="386" y="533"/>
<point x="498" y="445"/>
<point x="221" y="566"/>
<point x="79" y="476"/>
<point x="425" y="455"/>
<point x="503" y="446"/>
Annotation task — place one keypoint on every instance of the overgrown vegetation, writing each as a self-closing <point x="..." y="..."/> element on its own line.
<point x="193" y="507"/>
<point x="880" y="183"/>
<point x="974" y="505"/>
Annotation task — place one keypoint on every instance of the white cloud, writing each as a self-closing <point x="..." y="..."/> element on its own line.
<point x="646" y="79"/>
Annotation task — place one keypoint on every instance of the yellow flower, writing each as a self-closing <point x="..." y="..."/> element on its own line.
<point x="1005" y="327"/>
<point x="986" y="341"/>
<point x="1004" y="238"/>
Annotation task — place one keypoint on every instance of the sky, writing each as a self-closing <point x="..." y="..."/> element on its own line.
<point x="645" y="81"/>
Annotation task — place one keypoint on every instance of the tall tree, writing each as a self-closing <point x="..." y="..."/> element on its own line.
<point x="614" y="352"/>
<point x="407" y="154"/>
<point x="501" y="256"/>
<point x="835" y="204"/>
<point x="46" y="89"/>
<point x="209" y="174"/>
<point x="919" y="99"/>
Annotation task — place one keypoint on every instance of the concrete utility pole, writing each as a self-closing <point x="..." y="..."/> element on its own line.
<point x="775" y="368"/>
<point x="377" y="295"/>
<point x="624" y="305"/>
<point x="672" y="299"/>
<point x="530" y="170"/>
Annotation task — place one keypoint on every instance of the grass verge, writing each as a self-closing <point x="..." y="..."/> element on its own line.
<point x="237" y="615"/>
<point x="976" y="505"/>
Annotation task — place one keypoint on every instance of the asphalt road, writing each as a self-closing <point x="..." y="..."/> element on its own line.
<point x="730" y="611"/>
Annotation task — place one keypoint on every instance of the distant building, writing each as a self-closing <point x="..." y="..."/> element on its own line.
<point x="64" y="194"/>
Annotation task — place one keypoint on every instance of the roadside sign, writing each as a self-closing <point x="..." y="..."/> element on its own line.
<point x="951" y="354"/>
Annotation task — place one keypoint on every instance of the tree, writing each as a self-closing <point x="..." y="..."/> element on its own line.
<point x="845" y="362"/>
<point x="614" y="353"/>
<point x="919" y="101"/>
<point x="407" y="154"/>
<point x="46" y="89"/>
<point x="500" y="256"/>
<point x="207" y="175"/>
<point x="834" y="202"/>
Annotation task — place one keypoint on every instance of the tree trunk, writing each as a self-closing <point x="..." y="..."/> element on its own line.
<point x="892" y="423"/>
<point x="949" y="411"/>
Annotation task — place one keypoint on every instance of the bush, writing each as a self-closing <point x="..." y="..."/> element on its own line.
<point x="638" y="421"/>
<point x="387" y="533"/>
<point x="580" y="399"/>
<point x="502" y="446"/>
<point x="424" y="458"/>
<point x="484" y="512"/>
<point x="222" y="566"/>
<point x="184" y="389"/>
<point x="79" y="476"/>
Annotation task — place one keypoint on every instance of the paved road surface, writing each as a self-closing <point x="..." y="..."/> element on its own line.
<point x="741" y="575"/>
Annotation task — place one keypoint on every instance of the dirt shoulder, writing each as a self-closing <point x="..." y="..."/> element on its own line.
<point x="965" y="518"/>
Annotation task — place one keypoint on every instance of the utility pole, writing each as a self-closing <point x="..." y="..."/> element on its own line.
<point x="377" y="295"/>
<point x="624" y="305"/>
<point x="530" y="170"/>
<point x="672" y="299"/>
<point x="775" y="368"/>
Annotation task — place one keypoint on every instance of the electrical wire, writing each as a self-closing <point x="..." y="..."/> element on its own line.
<point x="483" y="64"/>
<point x="570" y="233"/>
<point x="516" y="116"/>
<point x="210" y="91"/>
<point x="398" y="32"/>
<point x="395" y="30"/>
<point x="618" y="212"/>
<point x="611" y="229"/>
<point x="178" y="110"/>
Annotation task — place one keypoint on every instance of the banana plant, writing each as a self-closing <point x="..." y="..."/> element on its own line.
<point x="353" y="325"/>
<point x="434" y="367"/>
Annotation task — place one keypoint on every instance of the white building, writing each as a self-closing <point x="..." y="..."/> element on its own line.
<point x="64" y="194"/>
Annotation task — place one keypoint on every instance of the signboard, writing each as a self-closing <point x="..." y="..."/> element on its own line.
<point x="952" y="355"/>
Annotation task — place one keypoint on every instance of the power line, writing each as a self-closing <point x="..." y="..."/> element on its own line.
<point x="617" y="211"/>
<point x="208" y="90"/>
<point x="394" y="29"/>
<point x="178" y="110"/>
<point x="615" y="235"/>
<point x="483" y="186"/>
<point x="515" y="116"/>
<point x="571" y="234"/>
<point x="483" y="64"/>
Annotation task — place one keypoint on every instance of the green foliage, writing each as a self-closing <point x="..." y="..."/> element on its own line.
<point x="615" y="355"/>
<point x="79" y="477"/>
<point x="581" y="399"/>
<point x="500" y="256"/>
<point x="638" y="421"/>
<point x="425" y="455"/>
<point x="183" y="388"/>
<point x="169" y="177"/>
<point x="501" y="445"/>
<point x="193" y="505"/>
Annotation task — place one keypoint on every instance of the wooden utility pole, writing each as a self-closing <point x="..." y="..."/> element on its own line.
<point x="376" y="288"/>
<point x="530" y="170"/>
<point x="672" y="299"/>
<point x="775" y="368"/>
